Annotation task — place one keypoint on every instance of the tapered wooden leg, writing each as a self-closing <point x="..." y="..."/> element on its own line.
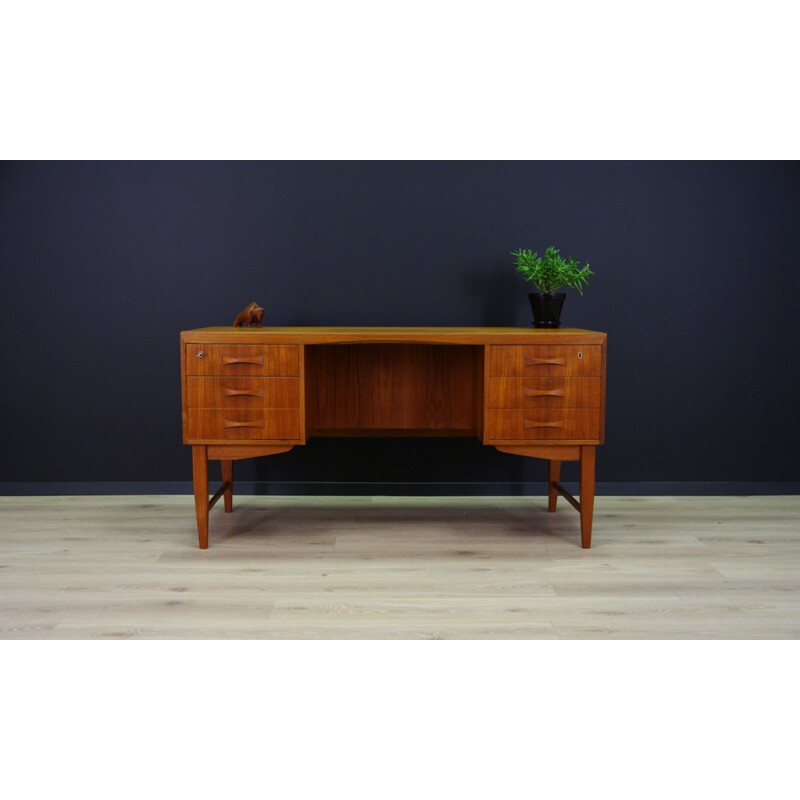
<point x="587" y="493"/>
<point x="200" y="479"/>
<point x="227" y="475"/>
<point x="553" y="474"/>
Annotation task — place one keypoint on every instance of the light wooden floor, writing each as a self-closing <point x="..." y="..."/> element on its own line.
<point x="399" y="568"/>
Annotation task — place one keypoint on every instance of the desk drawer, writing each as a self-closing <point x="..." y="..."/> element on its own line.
<point x="544" y="423"/>
<point x="242" y="359"/>
<point x="544" y="392"/>
<point x="256" y="423"/>
<point x="234" y="392"/>
<point x="517" y="361"/>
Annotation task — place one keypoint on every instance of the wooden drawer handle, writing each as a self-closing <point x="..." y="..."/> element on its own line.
<point x="542" y="393"/>
<point x="229" y="423"/>
<point x="242" y="392"/>
<point x="554" y="362"/>
<point x="528" y="423"/>
<point x="259" y="360"/>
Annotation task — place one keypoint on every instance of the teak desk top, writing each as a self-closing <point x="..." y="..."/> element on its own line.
<point x="422" y="335"/>
<point x="262" y="391"/>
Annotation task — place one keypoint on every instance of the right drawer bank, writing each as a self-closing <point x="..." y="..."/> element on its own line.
<point x="544" y="393"/>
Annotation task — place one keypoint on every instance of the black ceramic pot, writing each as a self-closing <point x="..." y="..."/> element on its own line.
<point x="546" y="308"/>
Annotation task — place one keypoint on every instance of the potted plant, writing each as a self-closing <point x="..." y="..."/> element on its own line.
<point x="549" y="274"/>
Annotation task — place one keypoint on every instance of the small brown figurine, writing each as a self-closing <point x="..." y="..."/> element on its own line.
<point x="253" y="313"/>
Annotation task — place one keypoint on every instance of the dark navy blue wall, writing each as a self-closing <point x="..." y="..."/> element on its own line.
<point x="104" y="263"/>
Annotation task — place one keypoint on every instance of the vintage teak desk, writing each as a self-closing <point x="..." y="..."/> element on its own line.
<point x="531" y="392"/>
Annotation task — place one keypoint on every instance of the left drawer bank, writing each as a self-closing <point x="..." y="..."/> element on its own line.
<point x="242" y="393"/>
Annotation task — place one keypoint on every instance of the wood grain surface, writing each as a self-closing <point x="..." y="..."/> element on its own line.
<point x="544" y="393"/>
<point x="243" y="392"/>
<point x="425" y="335"/>
<point x="399" y="568"/>
<point x="392" y="386"/>
<point x="244" y="359"/>
<point x="545" y="361"/>
<point x="253" y="423"/>
<point x="543" y="423"/>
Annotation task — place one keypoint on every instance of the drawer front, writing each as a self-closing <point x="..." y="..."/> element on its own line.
<point x="202" y="392"/>
<point x="518" y="361"/>
<point x="242" y="359"/>
<point x="256" y="423"/>
<point x="544" y="423"/>
<point x="544" y="392"/>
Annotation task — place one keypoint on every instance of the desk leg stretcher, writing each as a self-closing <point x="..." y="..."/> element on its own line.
<point x="584" y="506"/>
<point x="201" y="455"/>
<point x="555" y="455"/>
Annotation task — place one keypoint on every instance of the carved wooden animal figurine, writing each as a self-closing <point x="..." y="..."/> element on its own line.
<point x="246" y="317"/>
